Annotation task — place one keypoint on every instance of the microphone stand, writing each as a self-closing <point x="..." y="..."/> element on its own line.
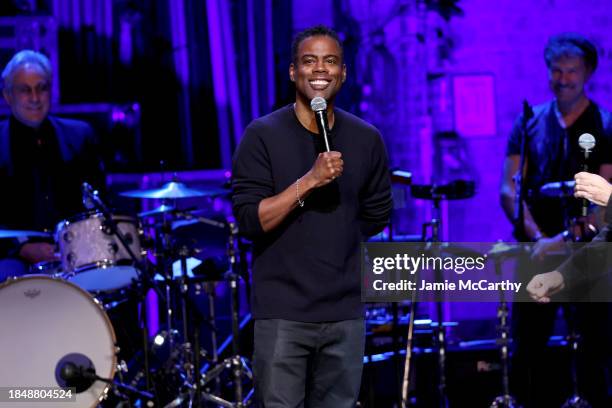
<point x="519" y="179"/>
<point x="79" y="373"/>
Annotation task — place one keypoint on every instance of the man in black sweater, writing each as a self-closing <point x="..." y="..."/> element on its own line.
<point x="307" y="211"/>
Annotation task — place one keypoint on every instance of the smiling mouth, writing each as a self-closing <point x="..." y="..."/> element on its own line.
<point x="319" y="84"/>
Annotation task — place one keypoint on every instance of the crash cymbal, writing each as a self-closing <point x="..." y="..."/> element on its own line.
<point x="174" y="189"/>
<point x="162" y="209"/>
<point x="19" y="234"/>
<point x="558" y="189"/>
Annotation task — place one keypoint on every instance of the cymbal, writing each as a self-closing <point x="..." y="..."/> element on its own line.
<point x="455" y="190"/>
<point x="505" y="250"/>
<point x="174" y="189"/>
<point x="162" y="209"/>
<point x="401" y="177"/>
<point x="19" y="234"/>
<point x="558" y="189"/>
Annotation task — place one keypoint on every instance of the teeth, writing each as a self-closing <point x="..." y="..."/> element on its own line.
<point x="319" y="82"/>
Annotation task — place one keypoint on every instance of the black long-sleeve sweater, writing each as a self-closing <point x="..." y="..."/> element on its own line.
<point x="307" y="269"/>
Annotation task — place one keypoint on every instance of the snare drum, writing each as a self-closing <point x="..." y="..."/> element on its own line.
<point x="46" y="323"/>
<point x="93" y="257"/>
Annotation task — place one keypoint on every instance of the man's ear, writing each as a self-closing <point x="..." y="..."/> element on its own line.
<point x="292" y="72"/>
<point x="343" y="72"/>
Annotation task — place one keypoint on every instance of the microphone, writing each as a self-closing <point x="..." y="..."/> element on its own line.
<point x="75" y="370"/>
<point x="319" y="107"/>
<point x="586" y="141"/>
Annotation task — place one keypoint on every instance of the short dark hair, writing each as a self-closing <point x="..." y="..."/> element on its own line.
<point x="318" y="30"/>
<point x="570" y="45"/>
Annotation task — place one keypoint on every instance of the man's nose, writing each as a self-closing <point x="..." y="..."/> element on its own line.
<point x="320" y="66"/>
<point x="35" y="95"/>
<point x="564" y="78"/>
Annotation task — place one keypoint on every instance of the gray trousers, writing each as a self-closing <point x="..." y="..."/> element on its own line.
<point x="311" y="365"/>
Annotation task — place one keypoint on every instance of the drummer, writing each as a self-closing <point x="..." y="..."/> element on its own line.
<point x="43" y="162"/>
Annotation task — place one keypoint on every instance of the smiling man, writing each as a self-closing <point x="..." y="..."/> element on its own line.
<point x="43" y="161"/>
<point x="552" y="155"/>
<point x="307" y="211"/>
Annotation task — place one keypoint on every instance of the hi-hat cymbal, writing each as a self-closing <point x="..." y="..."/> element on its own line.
<point x="455" y="190"/>
<point x="174" y="189"/>
<point x="162" y="209"/>
<point x="19" y="234"/>
<point x="558" y="189"/>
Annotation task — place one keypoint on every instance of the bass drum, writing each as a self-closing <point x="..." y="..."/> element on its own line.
<point x="46" y="323"/>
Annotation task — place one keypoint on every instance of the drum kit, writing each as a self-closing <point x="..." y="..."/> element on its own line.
<point x="60" y="317"/>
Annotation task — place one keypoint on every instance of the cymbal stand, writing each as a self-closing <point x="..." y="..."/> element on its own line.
<point x="506" y="400"/>
<point x="236" y="363"/>
<point x="209" y="287"/>
<point x="111" y="228"/>
<point x="183" y="357"/>
<point x="166" y="272"/>
<point x="409" y="345"/>
<point x="573" y="339"/>
<point x="440" y="331"/>
<point x="435" y="224"/>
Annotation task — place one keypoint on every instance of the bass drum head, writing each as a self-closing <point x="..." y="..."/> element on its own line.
<point x="44" y="320"/>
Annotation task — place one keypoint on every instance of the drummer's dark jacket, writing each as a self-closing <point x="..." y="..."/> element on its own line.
<point x="41" y="173"/>
<point x="588" y="272"/>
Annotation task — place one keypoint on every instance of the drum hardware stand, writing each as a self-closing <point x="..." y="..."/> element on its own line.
<point x="409" y="345"/>
<point x="190" y="365"/>
<point x="92" y="197"/>
<point x="236" y="363"/>
<point x="455" y="190"/>
<point x="573" y="339"/>
<point x="119" y="388"/>
<point x="187" y="359"/>
<point x="434" y="224"/>
<point x="506" y="400"/>
<point x="209" y="287"/>
<point x="441" y="331"/>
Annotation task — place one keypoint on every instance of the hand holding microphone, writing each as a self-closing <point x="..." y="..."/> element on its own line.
<point x="592" y="187"/>
<point x="327" y="167"/>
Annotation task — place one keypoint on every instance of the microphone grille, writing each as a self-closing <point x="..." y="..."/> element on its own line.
<point x="318" y="104"/>
<point x="586" y="141"/>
